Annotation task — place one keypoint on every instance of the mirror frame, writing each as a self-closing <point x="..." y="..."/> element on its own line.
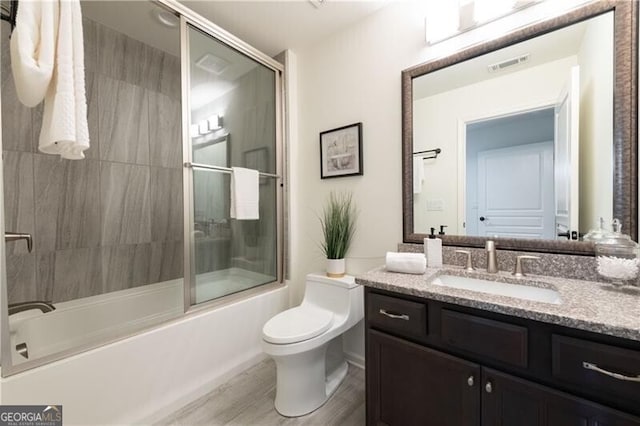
<point x="625" y="124"/>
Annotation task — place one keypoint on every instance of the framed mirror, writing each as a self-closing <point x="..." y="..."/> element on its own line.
<point x="528" y="139"/>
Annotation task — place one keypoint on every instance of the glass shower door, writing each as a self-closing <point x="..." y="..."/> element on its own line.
<point x="232" y="124"/>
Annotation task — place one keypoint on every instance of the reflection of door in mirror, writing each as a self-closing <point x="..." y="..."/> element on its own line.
<point x="515" y="191"/>
<point x="448" y="104"/>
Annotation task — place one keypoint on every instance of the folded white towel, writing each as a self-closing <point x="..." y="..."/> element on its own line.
<point x="407" y="263"/>
<point x="245" y="194"/>
<point x="418" y="174"/>
<point x="47" y="59"/>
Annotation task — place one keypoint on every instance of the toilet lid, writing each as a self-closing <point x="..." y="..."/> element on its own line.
<point x="296" y="325"/>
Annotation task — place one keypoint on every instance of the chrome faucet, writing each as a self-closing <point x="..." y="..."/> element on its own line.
<point x="519" y="269"/>
<point x="14" y="308"/>
<point x="492" y="258"/>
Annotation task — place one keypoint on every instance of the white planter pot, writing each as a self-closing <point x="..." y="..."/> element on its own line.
<point x="336" y="268"/>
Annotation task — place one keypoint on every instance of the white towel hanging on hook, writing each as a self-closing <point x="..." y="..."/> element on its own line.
<point x="47" y="59"/>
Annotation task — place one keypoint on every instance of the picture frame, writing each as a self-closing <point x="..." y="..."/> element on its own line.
<point x="257" y="159"/>
<point x="341" y="152"/>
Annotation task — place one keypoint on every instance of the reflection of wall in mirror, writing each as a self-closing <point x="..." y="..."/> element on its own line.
<point x="596" y="123"/>
<point x="436" y="121"/>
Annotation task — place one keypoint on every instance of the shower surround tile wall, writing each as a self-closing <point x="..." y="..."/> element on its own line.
<point x="113" y="220"/>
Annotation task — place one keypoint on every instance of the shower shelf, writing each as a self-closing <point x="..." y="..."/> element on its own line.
<point x="222" y="169"/>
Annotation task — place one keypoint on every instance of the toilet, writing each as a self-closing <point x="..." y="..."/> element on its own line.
<point x="306" y="343"/>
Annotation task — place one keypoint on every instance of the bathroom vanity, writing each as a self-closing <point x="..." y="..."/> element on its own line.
<point x="440" y="355"/>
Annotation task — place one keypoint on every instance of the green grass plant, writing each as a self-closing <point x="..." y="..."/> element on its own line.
<point x="338" y="223"/>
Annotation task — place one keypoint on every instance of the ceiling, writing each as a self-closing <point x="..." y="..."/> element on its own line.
<point x="270" y="26"/>
<point x="273" y="26"/>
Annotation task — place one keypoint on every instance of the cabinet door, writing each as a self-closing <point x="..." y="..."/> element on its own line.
<point x="510" y="401"/>
<point x="408" y="384"/>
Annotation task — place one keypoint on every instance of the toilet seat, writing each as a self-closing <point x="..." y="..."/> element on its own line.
<point x="296" y="325"/>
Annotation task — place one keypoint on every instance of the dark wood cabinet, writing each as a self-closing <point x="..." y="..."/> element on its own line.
<point x="511" y="401"/>
<point x="413" y="385"/>
<point x="464" y="367"/>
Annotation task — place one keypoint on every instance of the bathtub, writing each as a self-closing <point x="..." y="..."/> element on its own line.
<point x="146" y="376"/>
<point x="94" y="320"/>
<point x="91" y="321"/>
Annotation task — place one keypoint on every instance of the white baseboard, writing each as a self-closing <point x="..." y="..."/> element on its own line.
<point x="200" y="391"/>
<point x="354" y="359"/>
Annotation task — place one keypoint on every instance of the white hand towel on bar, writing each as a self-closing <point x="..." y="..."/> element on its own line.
<point x="407" y="263"/>
<point x="245" y="194"/>
<point x="47" y="59"/>
<point x="418" y="174"/>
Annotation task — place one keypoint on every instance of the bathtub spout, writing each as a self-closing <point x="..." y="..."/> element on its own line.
<point x="14" y="308"/>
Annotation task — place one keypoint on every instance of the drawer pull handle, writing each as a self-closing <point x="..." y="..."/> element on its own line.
<point x="470" y="381"/>
<point x="394" y="316"/>
<point x="593" y="367"/>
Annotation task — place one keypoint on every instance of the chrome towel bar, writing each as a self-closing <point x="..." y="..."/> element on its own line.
<point x="199" y="166"/>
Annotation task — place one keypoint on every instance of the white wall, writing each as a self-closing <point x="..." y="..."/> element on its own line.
<point x="146" y="377"/>
<point x="436" y="125"/>
<point x="353" y="76"/>
<point x="596" y="123"/>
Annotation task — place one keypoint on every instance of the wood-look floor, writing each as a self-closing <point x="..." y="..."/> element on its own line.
<point x="247" y="400"/>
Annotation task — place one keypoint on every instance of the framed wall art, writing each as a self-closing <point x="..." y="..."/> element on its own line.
<point x="341" y="151"/>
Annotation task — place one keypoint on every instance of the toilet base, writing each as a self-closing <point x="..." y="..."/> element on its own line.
<point x="336" y="377"/>
<point x="303" y="384"/>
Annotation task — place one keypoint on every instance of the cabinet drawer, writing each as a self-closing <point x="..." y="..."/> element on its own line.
<point x="597" y="367"/>
<point x="494" y="339"/>
<point x="397" y="315"/>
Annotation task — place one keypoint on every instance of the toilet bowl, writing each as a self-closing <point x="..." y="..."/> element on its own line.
<point x="305" y="343"/>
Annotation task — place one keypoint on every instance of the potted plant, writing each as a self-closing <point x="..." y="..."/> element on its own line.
<point x="338" y="225"/>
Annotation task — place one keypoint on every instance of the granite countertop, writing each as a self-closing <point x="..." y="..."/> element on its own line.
<point x="586" y="305"/>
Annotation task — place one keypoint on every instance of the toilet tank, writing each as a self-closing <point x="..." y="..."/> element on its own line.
<point x="333" y="294"/>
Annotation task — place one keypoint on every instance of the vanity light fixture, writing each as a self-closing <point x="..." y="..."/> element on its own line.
<point x="194" y="130"/>
<point x="487" y="10"/>
<point x="214" y="122"/>
<point x="446" y="19"/>
<point x="204" y="127"/>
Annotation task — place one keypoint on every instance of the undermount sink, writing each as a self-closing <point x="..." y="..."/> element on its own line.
<point x="518" y="291"/>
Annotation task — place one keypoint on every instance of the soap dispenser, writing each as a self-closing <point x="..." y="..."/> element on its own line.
<point x="433" y="250"/>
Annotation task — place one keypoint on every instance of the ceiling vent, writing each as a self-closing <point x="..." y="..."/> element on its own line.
<point x="317" y="3"/>
<point x="508" y="63"/>
<point x="212" y="64"/>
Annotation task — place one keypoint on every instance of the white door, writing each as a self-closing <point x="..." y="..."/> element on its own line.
<point x="515" y="191"/>
<point x="567" y="112"/>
